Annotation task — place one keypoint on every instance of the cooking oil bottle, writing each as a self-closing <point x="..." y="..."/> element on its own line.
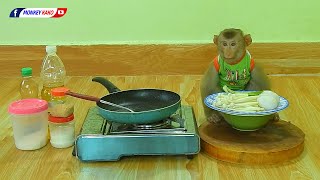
<point x="52" y="73"/>
<point x="28" y="87"/>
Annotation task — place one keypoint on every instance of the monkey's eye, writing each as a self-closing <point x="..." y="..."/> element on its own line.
<point x="233" y="44"/>
<point x="225" y="44"/>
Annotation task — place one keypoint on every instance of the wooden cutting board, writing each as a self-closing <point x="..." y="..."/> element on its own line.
<point x="275" y="143"/>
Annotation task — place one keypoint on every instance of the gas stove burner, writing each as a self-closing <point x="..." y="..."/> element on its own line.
<point x="136" y="128"/>
<point x="173" y="124"/>
<point x="157" y="125"/>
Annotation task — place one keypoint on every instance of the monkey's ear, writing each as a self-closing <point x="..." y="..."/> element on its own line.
<point x="215" y="39"/>
<point x="248" y="39"/>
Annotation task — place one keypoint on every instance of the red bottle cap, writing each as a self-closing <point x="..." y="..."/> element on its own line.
<point x="60" y="91"/>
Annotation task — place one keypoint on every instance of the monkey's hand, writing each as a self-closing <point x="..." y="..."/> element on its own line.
<point x="276" y="117"/>
<point x="215" y="117"/>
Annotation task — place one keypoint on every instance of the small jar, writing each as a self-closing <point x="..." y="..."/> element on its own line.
<point x="58" y="96"/>
<point x="62" y="131"/>
<point x="60" y="106"/>
<point x="29" y="123"/>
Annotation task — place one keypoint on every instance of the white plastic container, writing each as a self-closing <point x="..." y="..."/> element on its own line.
<point x="62" y="131"/>
<point x="29" y="119"/>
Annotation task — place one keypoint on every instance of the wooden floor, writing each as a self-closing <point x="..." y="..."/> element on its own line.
<point x="49" y="163"/>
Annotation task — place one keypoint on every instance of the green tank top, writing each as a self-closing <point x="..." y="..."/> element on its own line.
<point x="235" y="76"/>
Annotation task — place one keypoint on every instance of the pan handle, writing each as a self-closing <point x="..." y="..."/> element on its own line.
<point x="82" y="96"/>
<point x="106" y="83"/>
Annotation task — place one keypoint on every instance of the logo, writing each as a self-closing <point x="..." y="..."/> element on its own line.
<point x="38" y="12"/>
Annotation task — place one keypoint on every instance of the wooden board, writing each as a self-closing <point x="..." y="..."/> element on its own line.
<point x="162" y="59"/>
<point x="277" y="142"/>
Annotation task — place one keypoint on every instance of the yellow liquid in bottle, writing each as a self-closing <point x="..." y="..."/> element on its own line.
<point x="46" y="93"/>
<point x="28" y="88"/>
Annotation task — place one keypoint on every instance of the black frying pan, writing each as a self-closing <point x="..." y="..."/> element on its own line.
<point x="149" y="105"/>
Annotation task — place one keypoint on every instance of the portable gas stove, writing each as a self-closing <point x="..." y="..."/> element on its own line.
<point x="101" y="140"/>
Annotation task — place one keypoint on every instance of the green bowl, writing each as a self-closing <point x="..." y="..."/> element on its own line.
<point x="247" y="123"/>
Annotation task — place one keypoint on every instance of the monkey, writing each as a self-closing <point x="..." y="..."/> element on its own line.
<point x="233" y="67"/>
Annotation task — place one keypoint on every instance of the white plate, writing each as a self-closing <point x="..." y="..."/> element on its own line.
<point x="211" y="98"/>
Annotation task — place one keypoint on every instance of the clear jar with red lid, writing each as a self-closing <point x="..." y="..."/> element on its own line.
<point x="62" y="131"/>
<point x="60" y="105"/>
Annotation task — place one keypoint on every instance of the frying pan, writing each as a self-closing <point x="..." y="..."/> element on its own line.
<point x="149" y="105"/>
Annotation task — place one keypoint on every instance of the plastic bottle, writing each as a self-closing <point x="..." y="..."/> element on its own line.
<point x="28" y="87"/>
<point x="52" y="73"/>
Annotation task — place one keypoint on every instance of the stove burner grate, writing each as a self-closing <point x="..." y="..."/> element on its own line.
<point x="163" y="126"/>
<point x="157" y="125"/>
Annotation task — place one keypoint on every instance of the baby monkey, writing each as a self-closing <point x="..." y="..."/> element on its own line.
<point x="233" y="67"/>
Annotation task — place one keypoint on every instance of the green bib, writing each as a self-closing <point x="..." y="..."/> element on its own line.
<point x="235" y="76"/>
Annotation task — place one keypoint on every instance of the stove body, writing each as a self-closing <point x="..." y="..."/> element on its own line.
<point x="101" y="140"/>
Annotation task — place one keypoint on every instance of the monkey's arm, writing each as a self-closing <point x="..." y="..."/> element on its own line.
<point x="209" y="84"/>
<point x="259" y="80"/>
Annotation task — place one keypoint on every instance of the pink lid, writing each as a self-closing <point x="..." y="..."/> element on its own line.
<point x="28" y="106"/>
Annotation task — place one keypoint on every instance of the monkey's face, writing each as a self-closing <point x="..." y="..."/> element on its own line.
<point x="231" y="49"/>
